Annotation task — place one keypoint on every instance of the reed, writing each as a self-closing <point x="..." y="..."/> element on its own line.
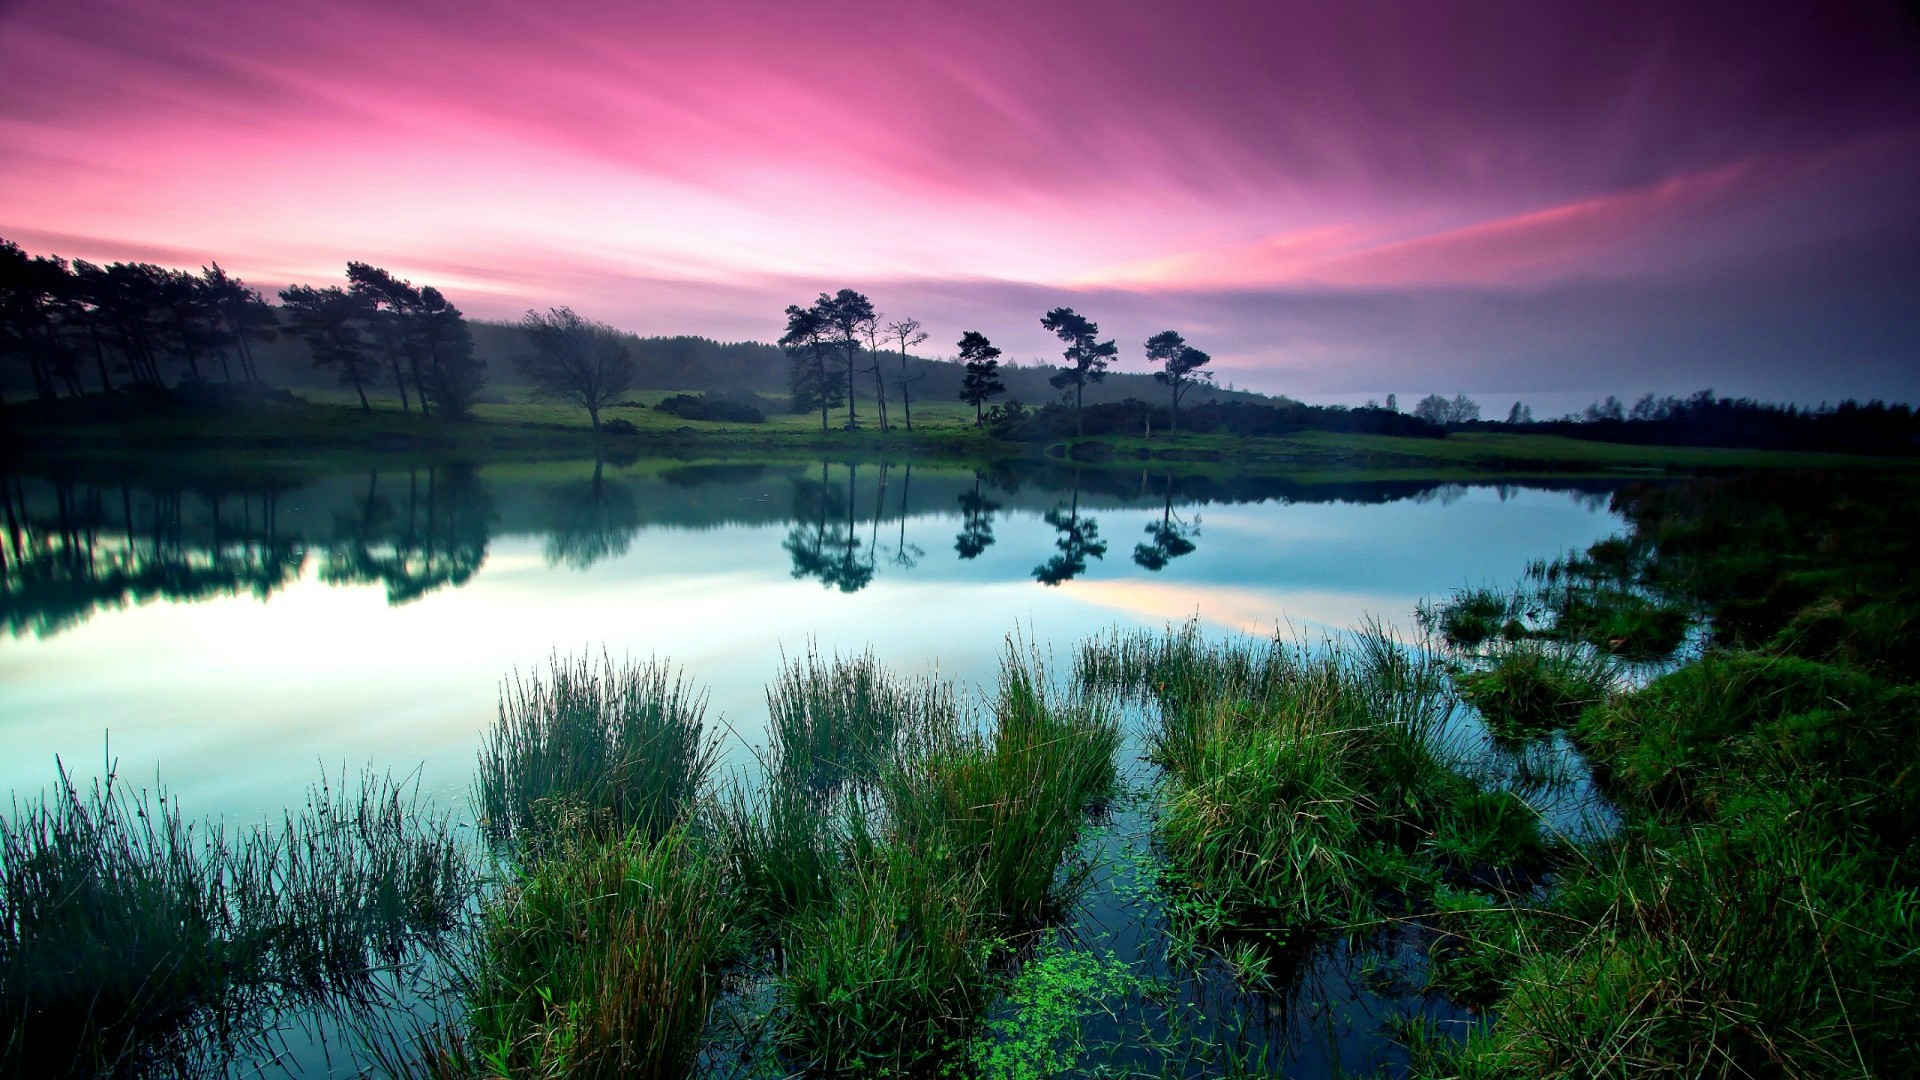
<point x="603" y="959"/>
<point x="601" y="749"/>
<point x="129" y="935"/>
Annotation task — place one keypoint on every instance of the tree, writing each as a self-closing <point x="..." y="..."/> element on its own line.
<point x="390" y="303"/>
<point x="1087" y="359"/>
<point x="1180" y="365"/>
<point x="982" y="380"/>
<point x="1520" y="414"/>
<point x="31" y="289"/>
<point x="908" y="333"/>
<point x="1435" y="409"/>
<point x="453" y="374"/>
<point x="243" y="311"/>
<point x="871" y="332"/>
<point x="807" y="349"/>
<point x="1610" y="409"/>
<point x="329" y="321"/>
<point x="1393" y="403"/>
<point x="575" y="360"/>
<point x="847" y="316"/>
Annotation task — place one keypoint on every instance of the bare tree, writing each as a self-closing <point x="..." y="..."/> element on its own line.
<point x="908" y="333"/>
<point x="575" y="360"/>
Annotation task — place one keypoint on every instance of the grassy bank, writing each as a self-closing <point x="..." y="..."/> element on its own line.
<point x="293" y="428"/>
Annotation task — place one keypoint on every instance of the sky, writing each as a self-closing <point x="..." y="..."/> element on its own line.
<point x="1544" y="200"/>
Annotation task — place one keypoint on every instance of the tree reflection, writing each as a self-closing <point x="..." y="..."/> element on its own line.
<point x="1167" y="539"/>
<point x="434" y="535"/>
<point x="79" y="549"/>
<point x="821" y="540"/>
<point x="976" y="522"/>
<point x="591" y="521"/>
<point x="1078" y="541"/>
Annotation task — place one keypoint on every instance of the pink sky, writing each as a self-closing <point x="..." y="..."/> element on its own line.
<point x="1334" y="198"/>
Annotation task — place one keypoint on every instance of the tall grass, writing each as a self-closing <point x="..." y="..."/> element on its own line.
<point x="128" y="934"/>
<point x="602" y="961"/>
<point x="600" y="749"/>
<point x="963" y="844"/>
<point x="1304" y="780"/>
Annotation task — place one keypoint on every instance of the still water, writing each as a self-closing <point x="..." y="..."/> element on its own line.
<point x="236" y="635"/>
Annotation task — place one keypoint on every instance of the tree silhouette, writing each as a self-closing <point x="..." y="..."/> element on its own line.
<point x="1087" y="359"/>
<point x="807" y="349"/>
<point x="1167" y="539"/>
<point x="575" y="360"/>
<point x="871" y="332"/>
<point x="1180" y="365"/>
<point x="244" y="313"/>
<point x="389" y="303"/>
<point x="1078" y="540"/>
<point x="31" y="288"/>
<point x="976" y="516"/>
<point x="453" y="374"/>
<point x="982" y="380"/>
<point x="329" y="320"/>
<point x="847" y="315"/>
<point x="908" y="333"/>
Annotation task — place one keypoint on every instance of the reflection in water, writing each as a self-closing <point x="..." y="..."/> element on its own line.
<point x="1079" y="539"/>
<point x="976" y="515"/>
<point x="822" y="541"/>
<point x="1168" y="539"/>
<point x="75" y="549"/>
<point x="590" y="521"/>
<point x="74" y="545"/>
<point x="440" y="538"/>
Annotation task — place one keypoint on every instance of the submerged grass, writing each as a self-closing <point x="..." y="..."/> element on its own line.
<point x="129" y="939"/>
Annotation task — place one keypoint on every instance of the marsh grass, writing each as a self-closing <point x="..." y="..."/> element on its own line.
<point x="601" y="749"/>
<point x="1306" y="783"/>
<point x="1528" y="688"/>
<point x="129" y="936"/>
<point x="1755" y="915"/>
<point x="602" y="961"/>
<point x="961" y="845"/>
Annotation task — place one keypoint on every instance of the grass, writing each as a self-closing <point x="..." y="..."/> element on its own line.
<point x="603" y="960"/>
<point x="127" y="938"/>
<point x="1305" y="783"/>
<point x="1755" y="914"/>
<point x="1527" y="688"/>
<point x="596" y="749"/>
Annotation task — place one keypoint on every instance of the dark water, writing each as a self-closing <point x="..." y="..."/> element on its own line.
<point x="236" y="632"/>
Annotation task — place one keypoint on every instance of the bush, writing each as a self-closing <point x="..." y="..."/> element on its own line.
<point x="727" y="408"/>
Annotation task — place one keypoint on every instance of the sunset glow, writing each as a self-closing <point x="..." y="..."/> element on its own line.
<point x="1332" y="199"/>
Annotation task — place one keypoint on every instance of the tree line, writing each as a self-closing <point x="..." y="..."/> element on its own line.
<point x="135" y="324"/>
<point x="827" y="342"/>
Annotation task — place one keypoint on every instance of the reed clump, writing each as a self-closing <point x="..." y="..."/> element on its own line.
<point x="1527" y="688"/>
<point x="1304" y="782"/>
<point x="129" y="935"/>
<point x="603" y="960"/>
<point x="602" y="748"/>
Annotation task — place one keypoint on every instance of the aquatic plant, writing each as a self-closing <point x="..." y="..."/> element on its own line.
<point x="1525" y="688"/>
<point x="129" y="935"/>
<point x="597" y="749"/>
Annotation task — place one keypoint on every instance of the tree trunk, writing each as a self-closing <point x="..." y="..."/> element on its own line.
<point x="906" y="400"/>
<point x="100" y="358"/>
<point x="399" y="383"/>
<point x="593" y="414"/>
<point x="358" y="389"/>
<point x="419" y="388"/>
<point x="820" y="387"/>
<point x="1173" y="414"/>
<point x="853" y="417"/>
<point x="879" y="391"/>
<point x="979" y="411"/>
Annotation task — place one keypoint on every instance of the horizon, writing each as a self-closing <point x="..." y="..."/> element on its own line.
<point x="1541" y="205"/>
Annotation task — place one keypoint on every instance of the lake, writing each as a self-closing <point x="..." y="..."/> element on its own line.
<point x="238" y="632"/>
